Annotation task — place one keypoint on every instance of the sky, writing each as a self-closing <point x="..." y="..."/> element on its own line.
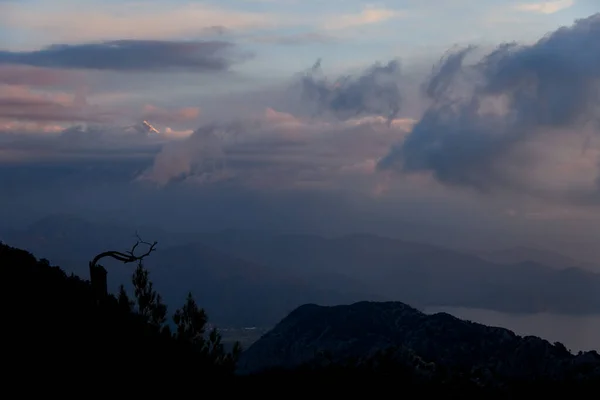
<point x="474" y="120"/>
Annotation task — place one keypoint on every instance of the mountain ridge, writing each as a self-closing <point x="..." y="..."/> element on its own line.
<point x="313" y="334"/>
<point x="351" y="267"/>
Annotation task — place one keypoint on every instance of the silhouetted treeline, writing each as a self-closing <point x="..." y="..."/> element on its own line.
<point x="55" y="325"/>
<point x="403" y="383"/>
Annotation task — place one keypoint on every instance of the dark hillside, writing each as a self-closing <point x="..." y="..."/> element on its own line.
<point x="59" y="333"/>
<point x="368" y="334"/>
<point x="57" y="327"/>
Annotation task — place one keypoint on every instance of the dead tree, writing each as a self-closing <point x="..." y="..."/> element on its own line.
<point x="98" y="273"/>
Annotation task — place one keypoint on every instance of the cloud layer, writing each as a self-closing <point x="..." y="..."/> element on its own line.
<point x="130" y="55"/>
<point x="510" y="121"/>
<point x="22" y="104"/>
<point x="489" y="120"/>
<point x="513" y="132"/>
<point x="546" y="7"/>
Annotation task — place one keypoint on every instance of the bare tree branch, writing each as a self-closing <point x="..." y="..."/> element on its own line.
<point x="127" y="256"/>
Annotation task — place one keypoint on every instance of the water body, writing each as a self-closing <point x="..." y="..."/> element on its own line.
<point x="575" y="332"/>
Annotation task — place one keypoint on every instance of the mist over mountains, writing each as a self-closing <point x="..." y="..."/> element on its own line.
<point x="252" y="278"/>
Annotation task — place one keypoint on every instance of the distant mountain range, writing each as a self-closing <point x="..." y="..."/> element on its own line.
<point x="234" y="291"/>
<point x="522" y="254"/>
<point x="421" y="274"/>
<point x="246" y="278"/>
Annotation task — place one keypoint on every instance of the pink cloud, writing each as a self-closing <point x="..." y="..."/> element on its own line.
<point x="21" y="103"/>
<point x="79" y="22"/>
<point x="166" y="116"/>
<point x="7" y="125"/>
<point x="274" y="116"/>
<point x="177" y="134"/>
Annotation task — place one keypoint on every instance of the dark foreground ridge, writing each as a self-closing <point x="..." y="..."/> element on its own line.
<point x="57" y="330"/>
<point x="56" y="326"/>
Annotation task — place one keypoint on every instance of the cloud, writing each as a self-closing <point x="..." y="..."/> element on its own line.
<point x="172" y="133"/>
<point x="294" y="39"/>
<point x="275" y="151"/>
<point x="489" y="122"/>
<point x="269" y="153"/>
<point x="518" y="124"/>
<point x="170" y="116"/>
<point x="29" y="127"/>
<point x="368" y="16"/>
<point x="22" y="104"/>
<point x="279" y="149"/>
<point x="131" y="55"/>
<point x="375" y="92"/>
<point x="200" y="156"/>
<point x="69" y="22"/>
<point x="545" y="7"/>
<point x="87" y="142"/>
<point x="24" y="75"/>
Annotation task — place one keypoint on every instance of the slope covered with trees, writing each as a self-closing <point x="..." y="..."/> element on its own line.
<point x="58" y="326"/>
<point x="380" y="340"/>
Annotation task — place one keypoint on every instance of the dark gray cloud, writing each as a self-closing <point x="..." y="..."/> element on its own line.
<point x="481" y="114"/>
<point x="131" y="55"/>
<point x="375" y="92"/>
<point x="445" y="73"/>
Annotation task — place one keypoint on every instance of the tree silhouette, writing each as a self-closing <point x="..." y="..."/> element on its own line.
<point x="190" y="321"/>
<point x="123" y="299"/>
<point x="127" y="256"/>
<point x="148" y="302"/>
